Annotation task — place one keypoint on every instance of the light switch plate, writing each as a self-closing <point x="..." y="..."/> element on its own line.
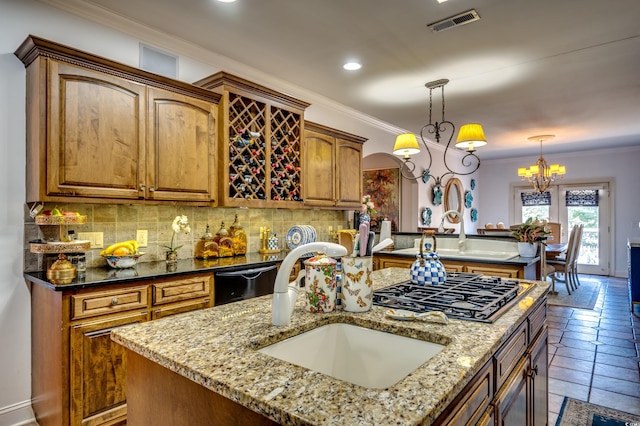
<point x="142" y="236"/>
<point x="96" y="238"/>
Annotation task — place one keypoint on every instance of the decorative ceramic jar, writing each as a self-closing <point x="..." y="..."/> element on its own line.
<point x="320" y="284"/>
<point x="357" y="285"/>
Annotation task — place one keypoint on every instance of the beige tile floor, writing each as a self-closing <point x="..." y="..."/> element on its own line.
<point x="594" y="354"/>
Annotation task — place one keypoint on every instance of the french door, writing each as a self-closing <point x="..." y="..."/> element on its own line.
<point x="572" y="204"/>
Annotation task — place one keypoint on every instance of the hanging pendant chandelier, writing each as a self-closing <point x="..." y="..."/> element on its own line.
<point x="469" y="138"/>
<point x="541" y="174"/>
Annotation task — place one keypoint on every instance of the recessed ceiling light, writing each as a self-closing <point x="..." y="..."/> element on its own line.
<point x="352" y="66"/>
<point x="441" y="1"/>
<point x="226" y="1"/>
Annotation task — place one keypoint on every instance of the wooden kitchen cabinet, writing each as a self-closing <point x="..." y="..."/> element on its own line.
<point x="260" y="142"/>
<point x="78" y="373"/>
<point x="490" y="269"/>
<point x="99" y="131"/>
<point x="512" y="387"/>
<point x="332" y="167"/>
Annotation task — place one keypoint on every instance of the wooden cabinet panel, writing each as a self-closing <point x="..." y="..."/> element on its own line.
<point x="538" y="376"/>
<point x="99" y="131"/>
<point x="320" y="169"/>
<point x="511" y="401"/>
<point x="174" y="290"/>
<point x="180" y="307"/>
<point x="181" y="161"/>
<point x="98" y="370"/>
<point x="332" y="167"/>
<point x="495" y="271"/>
<point x="510" y="354"/>
<point x="473" y="401"/>
<point x="348" y="174"/>
<point x="96" y="133"/>
<point x="107" y="302"/>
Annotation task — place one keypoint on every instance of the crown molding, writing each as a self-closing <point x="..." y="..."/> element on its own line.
<point x="103" y="17"/>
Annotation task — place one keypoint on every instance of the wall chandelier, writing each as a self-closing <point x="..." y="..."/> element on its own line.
<point x="469" y="138"/>
<point x="541" y="174"/>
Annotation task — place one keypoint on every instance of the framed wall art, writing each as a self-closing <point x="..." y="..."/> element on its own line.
<point x="383" y="185"/>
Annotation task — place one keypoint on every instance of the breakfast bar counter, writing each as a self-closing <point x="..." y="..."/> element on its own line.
<point x="217" y="349"/>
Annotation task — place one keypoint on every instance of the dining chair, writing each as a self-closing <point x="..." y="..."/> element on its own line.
<point x="555" y="230"/>
<point x="563" y="268"/>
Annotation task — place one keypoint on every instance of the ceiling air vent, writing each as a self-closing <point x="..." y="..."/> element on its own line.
<point x="455" y="21"/>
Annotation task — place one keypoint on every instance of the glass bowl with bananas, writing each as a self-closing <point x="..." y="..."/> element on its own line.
<point x="121" y="255"/>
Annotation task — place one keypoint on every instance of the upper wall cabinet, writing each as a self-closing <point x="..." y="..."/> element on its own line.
<point x="332" y="167"/>
<point x="260" y="144"/>
<point x="99" y="131"/>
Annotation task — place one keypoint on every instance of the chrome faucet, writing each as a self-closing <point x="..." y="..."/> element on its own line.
<point x="285" y="294"/>
<point x="462" y="237"/>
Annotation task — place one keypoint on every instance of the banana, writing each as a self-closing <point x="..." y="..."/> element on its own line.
<point x="128" y="244"/>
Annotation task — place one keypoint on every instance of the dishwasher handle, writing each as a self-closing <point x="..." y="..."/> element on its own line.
<point x="245" y="273"/>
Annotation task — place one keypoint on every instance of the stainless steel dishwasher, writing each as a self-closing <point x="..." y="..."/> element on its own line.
<point x="240" y="283"/>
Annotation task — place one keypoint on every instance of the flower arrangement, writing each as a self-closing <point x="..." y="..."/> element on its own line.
<point x="367" y="205"/>
<point x="180" y="224"/>
<point x="531" y="231"/>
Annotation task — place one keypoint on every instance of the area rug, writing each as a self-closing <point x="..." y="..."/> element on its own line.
<point x="584" y="297"/>
<point x="580" y="413"/>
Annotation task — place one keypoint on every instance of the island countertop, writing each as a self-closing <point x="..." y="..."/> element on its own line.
<point x="217" y="348"/>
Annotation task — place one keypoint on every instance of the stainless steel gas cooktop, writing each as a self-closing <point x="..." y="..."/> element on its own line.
<point x="464" y="296"/>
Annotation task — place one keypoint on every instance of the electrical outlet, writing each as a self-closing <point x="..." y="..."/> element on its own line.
<point x="96" y="238"/>
<point x="142" y="236"/>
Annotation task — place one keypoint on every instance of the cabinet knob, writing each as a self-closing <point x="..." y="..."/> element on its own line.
<point x="114" y="301"/>
<point x="142" y="187"/>
<point x="152" y="188"/>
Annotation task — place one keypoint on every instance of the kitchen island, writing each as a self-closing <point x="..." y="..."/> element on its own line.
<point x="204" y="365"/>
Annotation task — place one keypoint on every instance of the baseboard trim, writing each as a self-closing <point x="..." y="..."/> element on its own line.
<point x="17" y="414"/>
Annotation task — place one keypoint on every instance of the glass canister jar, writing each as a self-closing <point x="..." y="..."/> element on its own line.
<point x="238" y="237"/>
<point x="206" y="247"/>
<point x="225" y="243"/>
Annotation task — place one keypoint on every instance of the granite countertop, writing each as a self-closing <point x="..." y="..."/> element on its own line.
<point x="98" y="276"/>
<point x="217" y="348"/>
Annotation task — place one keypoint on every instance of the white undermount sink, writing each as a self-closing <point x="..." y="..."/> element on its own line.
<point x="358" y="355"/>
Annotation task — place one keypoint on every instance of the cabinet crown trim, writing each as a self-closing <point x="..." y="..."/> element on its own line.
<point x="223" y="78"/>
<point x="33" y="47"/>
<point x="340" y="134"/>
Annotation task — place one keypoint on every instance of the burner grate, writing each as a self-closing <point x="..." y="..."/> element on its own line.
<point x="464" y="296"/>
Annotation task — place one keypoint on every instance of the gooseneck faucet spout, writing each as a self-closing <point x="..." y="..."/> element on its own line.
<point x="462" y="237"/>
<point x="285" y="295"/>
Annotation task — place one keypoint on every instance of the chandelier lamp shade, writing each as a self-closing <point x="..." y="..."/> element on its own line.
<point x="541" y="175"/>
<point x="470" y="137"/>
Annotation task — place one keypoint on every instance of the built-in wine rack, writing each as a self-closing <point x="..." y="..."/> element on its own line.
<point x="262" y="132"/>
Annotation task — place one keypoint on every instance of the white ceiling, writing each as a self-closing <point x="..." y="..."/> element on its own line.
<point x="527" y="67"/>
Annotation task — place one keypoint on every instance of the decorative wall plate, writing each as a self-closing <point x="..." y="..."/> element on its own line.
<point x="426" y="216"/>
<point x="474" y="215"/>
<point x="473" y="184"/>
<point x="468" y="199"/>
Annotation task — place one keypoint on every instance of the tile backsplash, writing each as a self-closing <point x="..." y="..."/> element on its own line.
<point x="121" y="222"/>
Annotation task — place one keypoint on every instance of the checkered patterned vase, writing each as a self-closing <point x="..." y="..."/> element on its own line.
<point x="428" y="270"/>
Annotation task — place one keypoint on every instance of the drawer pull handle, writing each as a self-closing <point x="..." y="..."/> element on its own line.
<point x="114" y="301"/>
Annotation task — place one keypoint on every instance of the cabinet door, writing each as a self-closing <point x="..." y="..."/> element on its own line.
<point x="349" y="174"/>
<point x="511" y="402"/>
<point x="320" y="169"/>
<point x="181" y="160"/>
<point x="98" y="370"/>
<point x="95" y="135"/>
<point x="538" y="375"/>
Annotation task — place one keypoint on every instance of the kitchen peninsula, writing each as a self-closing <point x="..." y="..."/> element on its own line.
<point x="203" y="367"/>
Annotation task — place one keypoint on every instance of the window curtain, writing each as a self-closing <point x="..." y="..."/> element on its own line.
<point x="536" y="198"/>
<point x="582" y="197"/>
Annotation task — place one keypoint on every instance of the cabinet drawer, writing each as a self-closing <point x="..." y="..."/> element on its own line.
<point x="510" y="354"/>
<point x="537" y="320"/>
<point x="477" y="396"/>
<point x="175" y="290"/>
<point x="107" y="302"/>
<point x="180" y="307"/>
